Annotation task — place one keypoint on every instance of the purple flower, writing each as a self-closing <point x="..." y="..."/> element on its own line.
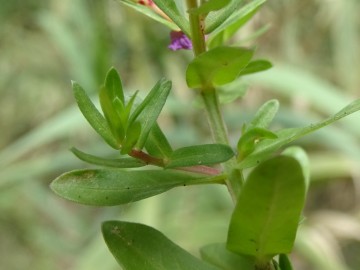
<point x="179" y="41"/>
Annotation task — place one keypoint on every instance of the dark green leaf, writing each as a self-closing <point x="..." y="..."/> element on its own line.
<point x="200" y="155"/>
<point x="150" y="13"/>
<point x="265" y="148"/>
<point x="284" y="262"/>
<point x="256" y="66"/>
<point x="149" y="109"/>
<point x="267" y="213"/>
<point x="265" y="114"/>
<point x="140" y="247"/>
<point x="157" y="144"/>
<point x="114" y="186"/>
<point x="93" y="116"/>
<point x="209" y="6"/>
<point x="117" y="163"/>
<point x="170" y="9"/>
<point x="218" y="255"/>
<point x="217" y="67"/>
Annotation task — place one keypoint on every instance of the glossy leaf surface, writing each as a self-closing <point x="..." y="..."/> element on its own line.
<point x="93" y="116"/>
<point x="267" y="213"/>
<point x="114" y="186"/>
<point x="200" y="155"/>
<point x="116" y="163"/>
<point x="218" y="255"/>
<point x="140" y="247"/>
<point x="218" y="66"/>
<point x="265" y="148"/>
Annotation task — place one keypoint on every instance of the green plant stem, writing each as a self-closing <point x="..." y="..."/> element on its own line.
<point x="210" y="98"/>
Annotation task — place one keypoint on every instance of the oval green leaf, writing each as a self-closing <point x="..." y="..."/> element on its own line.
<point x="218" y="66"/>
<point x="266" y="217"/>
<point x="140" y="247"/>
<point x="265" y="114"/>
<point x="114" y="186"/>
<point x="206" y="154"/>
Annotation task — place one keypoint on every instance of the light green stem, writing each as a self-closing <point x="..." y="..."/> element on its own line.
<point x="210" y="98"/>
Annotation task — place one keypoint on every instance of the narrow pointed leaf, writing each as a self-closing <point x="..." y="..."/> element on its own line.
<point x="140" y="247"/>
<point x="218" y="66"/>
<point x="170" y="9"/>
<point x="132" y="136"/>
<point x="215" y="19"/>
<point x="93" y="116"/>
<point x="218" y="255"/>
<point x="234" y="21"/>
<point x="148" y="111"/>
<point x="117" y="163"/>
<point x="265" y="114"/>
<point x="157" y="144"/>
<point x="265" y="148"/>
<point x="114" y="186"/>
<point x="206" y="154"/>
<point x="113" y="85"/>
<point x="209" y="6"/>
<point x="267" y="213"/>
<point x="256" y="66"/>
<point x="150" y="13"/>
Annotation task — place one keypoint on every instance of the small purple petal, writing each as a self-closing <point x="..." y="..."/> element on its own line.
<point x="179" y="41"/>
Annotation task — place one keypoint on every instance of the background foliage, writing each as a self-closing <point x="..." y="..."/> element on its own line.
<point x="315" y="47"/>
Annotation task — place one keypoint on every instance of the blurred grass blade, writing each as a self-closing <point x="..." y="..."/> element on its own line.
<point x="285" y="136"/>
<point x="170" y="9"/>
<point x="117" y="163"/>
<point x="220" y="256"/>
<point x="200" y="155"/>
<point x="103" y="187"/>
<point x="93" y="116"/>
<point x="266" y="216"/>
<point x="150" y="13"/>
<point x="140" y="247"/>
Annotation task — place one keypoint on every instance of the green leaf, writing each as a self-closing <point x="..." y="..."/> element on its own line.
<point x="149" y="109"/>
<point x="217" y="67"/>
<point x="233" y="23"/>
<point x="157" y="144"/>
<point x="265" y="114"/>
<point x="140" y="247"/>
<point x="205" y="154"/>
<point x="114" y="86"/>
<point x="170" y="9"/>
<point x="265" y="148"/>
<point x="249" y="140"/>
<point x="256" y="66"/>
<point x="209" y="6"/>
<point x="117" y="163"/>
<point x="93" y="116"/>
<point x="267" y="213"/>
<point x="215" y="19"/>
<point x="218" y="255"/>
<point x="114" y="186"/>
<point x="150" y="13"/>
<point x="284" y="262"/>
<point x="111" y="114"/>
<point x="132" y="136"/>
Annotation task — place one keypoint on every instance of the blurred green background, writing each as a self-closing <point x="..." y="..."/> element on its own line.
<point x="315" y="47"/>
